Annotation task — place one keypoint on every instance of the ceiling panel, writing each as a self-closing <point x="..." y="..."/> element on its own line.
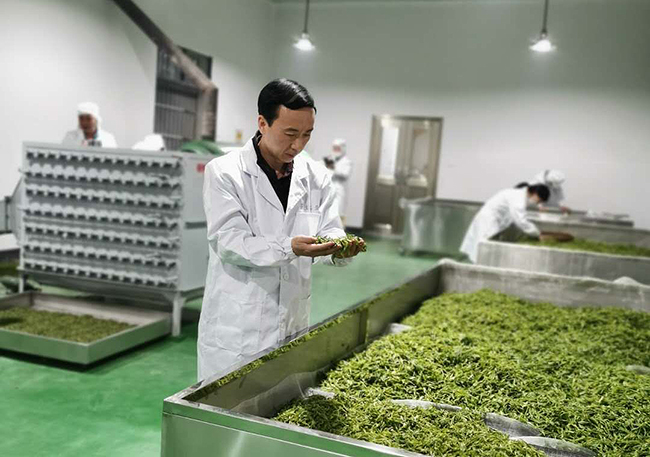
<point x="391" y="1"/>
<point x="350" y="1"/>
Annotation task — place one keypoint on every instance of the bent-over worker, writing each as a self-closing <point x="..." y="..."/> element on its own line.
<point x="507" y="207"/>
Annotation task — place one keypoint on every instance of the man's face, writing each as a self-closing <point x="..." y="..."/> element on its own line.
<point x="87" y="123"/>
<point x="289" y="133"/>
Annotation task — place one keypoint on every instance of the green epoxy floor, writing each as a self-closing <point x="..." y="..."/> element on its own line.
<point x="114" y="408"/>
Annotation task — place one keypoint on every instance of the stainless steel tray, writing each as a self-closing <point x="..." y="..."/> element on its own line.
<point x="563" y="261"/>
<point x="230" y="416"/>
<point x="438" y="226"/>
<point x="435" y="225"/>
<point x="571" y="263"/>
<point x="148" y="324"/>
<point x="604" y="233"/>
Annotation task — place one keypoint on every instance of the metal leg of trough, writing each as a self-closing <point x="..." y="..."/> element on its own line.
<point x="21" y="283"/>
<point x="176" y="314"/>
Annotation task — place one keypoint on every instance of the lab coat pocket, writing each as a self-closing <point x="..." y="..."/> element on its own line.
<point x="227" y="332"/>
<point x="314" y="198"/>
<point x="298" y="318"/>
<point x="306" y="223"/>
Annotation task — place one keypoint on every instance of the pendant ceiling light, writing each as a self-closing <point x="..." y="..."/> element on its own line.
<point x="543" y="44"/>
<point x="304" y="42"/>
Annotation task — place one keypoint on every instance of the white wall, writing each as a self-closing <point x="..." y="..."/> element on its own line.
<point x="508" y="112"/>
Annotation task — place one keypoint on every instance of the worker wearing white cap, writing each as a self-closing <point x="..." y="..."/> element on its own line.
<point x="499" y="212"/>
<point x="341" y="167"/>
<point x="553" y="179"/>
<point x="89" y="133"/>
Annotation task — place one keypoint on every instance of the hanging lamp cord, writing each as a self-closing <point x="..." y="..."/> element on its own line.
<point x="307" y="16"/>
<point x="544" y="31"/>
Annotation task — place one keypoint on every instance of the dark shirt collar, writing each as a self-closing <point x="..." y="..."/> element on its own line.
<point x="287" y="168"/>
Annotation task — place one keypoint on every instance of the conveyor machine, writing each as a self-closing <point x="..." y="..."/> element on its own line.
<point x="113" y="222"/>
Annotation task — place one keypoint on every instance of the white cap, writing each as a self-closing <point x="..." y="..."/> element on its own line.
<point x="89" y="108"/>
<point x="341" y="143"/>
<point x="555" y="178"/>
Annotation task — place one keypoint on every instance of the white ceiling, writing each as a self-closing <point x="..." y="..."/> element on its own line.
<point x="382" y="1"/>
<point x="349" y="1"/>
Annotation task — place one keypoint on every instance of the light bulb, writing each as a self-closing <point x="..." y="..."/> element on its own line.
<point x="542" y="45"/>
<point x="304" y="43"/>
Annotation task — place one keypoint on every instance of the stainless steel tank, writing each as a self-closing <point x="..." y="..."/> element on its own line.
<point x="435" y="225"/>
<point x="230" y="416"/>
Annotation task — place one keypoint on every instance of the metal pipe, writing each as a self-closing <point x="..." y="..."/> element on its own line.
<point x="544" y="31"/>
<point x="307" y="17"/>
<point x="206" y="120"/>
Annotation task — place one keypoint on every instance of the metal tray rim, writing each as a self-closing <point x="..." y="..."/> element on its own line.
<point x="79" y="343"/>
<point x="547" y="248"/>
<point x="245" y="422"/>
<point x="46" y="339"/>
<point x="172" y="408"/>
<point x="158" y="326"/>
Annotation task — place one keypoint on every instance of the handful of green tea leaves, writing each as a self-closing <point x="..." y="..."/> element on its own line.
<point x="344" y="242"/>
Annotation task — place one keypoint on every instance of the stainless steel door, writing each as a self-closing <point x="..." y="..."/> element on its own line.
<point x="404" y="155"/>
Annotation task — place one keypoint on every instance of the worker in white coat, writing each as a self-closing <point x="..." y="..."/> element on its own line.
<point x="553" y="179"/>
<point x="499" y="212"/>
<point x="89" y="132"/>
<point x="340" y="166"/>
<point x="264" y="204"/>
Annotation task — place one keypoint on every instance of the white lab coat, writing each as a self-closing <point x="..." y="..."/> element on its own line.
<point x="340" y="175"/>
<point x="553" y="180"/>
<point x="77" y="138"/>
<point x="506" y="207"/>
<point x="257" y="291"/>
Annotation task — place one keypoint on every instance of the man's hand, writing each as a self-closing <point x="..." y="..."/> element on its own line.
<point x="355" y="247"/>
<point x="308" y="247"/>
<point x="565" y="210"/>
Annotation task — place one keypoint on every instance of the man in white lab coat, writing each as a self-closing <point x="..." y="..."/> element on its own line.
<point x="89" y="132"/>
<point x="264" y="203"/>
<point x="507" y="207"/>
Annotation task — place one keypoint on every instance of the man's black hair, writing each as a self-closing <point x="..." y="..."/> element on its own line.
<point x="283" y="92"/>
<point x="541" y="190"/>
